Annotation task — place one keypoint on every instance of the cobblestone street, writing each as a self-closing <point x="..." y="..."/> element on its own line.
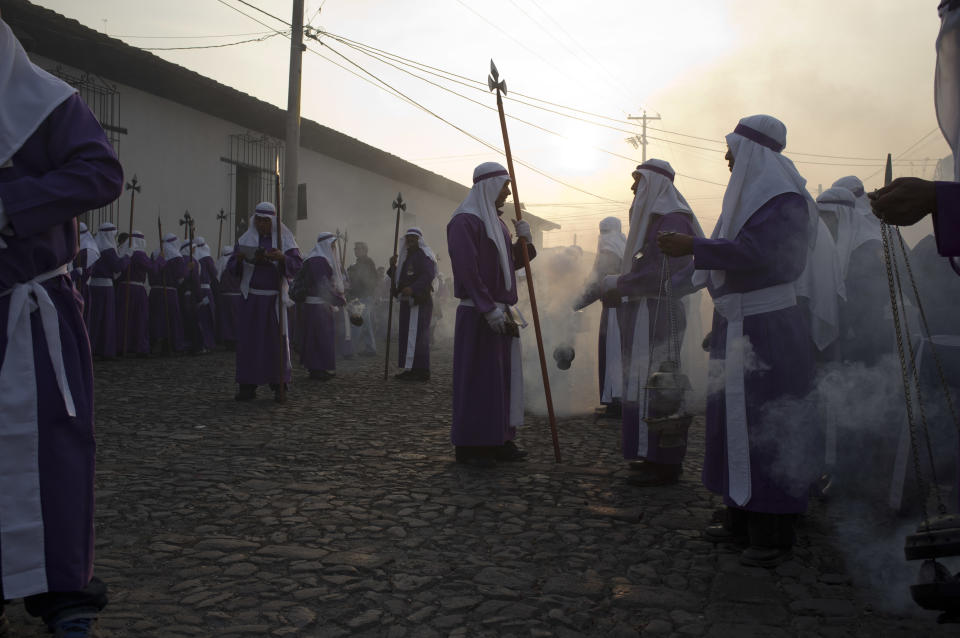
<point x="342" y="513"/>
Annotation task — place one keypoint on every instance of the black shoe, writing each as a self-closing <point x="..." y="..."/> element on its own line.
<point x="612" y="411"/>
<point x="656" y="474"/>
<point x="76" y="628"/>
<point x="321" y="375"/>
<point x="509" y="452"/>
<point x="403" y="376"/>
<point x="246" y="393"/>
<point x="720" y="533"/>
<point x="768" y="557"/>
<point x="476" y="456"/>
<point x="638" y="466"/>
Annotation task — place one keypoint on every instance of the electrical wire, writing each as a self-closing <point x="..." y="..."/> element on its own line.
<point x="211" y="46"/>
<point x="256" y="8"/>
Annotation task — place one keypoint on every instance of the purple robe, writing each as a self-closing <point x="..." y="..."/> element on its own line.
<point x="418" y="273"/>
<point x="317" y="350"/>
<point x="481" y="358"/>
<point x="136" y="319"/>
<point x="64" y="169"/>
<point x="259" y="344"/>
<point x="228" y="304"/>
<point x="205" y="309"/>
<point x="643" y="280"/>
<point x="785" y="442"/>
<point x="946" y="220"/>
<point x="102" y="322"/>
<point x="166" y="322"/>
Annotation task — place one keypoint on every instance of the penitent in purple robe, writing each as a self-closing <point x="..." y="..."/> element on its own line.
<point x="102" y="323"/>
<point x="946" y="222"/>
<point x="316" y="314"/>
<point x="135" y="318"/>
<point x="418" y="273"/>
<point x="481" y="358"/>
<point x="785" y="442"/>
<point x="258" y="328"/>
<point x="64" y="169"/>
<point x="205" y="308"/>
<point x="228" y="305"/>
<point x="643" y="281"/>
<point x="166" y="322"/>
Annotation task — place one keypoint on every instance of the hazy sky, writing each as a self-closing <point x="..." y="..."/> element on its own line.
<point x="852" y="79"/>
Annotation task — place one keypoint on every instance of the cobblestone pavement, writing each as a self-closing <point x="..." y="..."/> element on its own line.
<point x="343" y="513"/>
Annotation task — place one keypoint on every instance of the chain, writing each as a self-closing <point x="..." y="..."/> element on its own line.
<point x="674" y="343"/>
<point x="891" y="285"/>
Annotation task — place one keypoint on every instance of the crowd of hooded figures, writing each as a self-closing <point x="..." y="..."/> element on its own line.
<point x="799" y="338"/>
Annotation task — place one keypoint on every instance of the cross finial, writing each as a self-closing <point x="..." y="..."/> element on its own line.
<point x="399" y="203"/>
<point x="133" y="184"/>
<point x="493" y="80"/>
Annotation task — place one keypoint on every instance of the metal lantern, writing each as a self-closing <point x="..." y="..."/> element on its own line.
<point x="936" y="589"/>
<point x="665" y="414"/>
<point x="564" y="355"/>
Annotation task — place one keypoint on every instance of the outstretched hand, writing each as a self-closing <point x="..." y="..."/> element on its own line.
<point x="904" y="201"/>
<point x="675" y="244"/>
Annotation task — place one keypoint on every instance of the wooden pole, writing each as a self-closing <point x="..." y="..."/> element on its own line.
<point x="134" y="188"/>
<point x="526" y="266"/>
<point x="399" y="206"/>
<point x="163" y="282"/>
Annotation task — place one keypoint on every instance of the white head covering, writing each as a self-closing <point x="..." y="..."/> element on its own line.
<point x="871" y="228"/>
<point x="251" y="238"/>
<point x="88" y="244"/>
<point x="136" y="242"/>
<point x="200" y="248"/>
<point x="611" y="237"/>
<point x="760" y="173"/>
<point x="185" y="249"/>
<point x="946" y="82"/>
<point x="225" y="253"/>
<point x="29" y="93"/>
<point x="656" y="195"/>
<point x="106" y="237"/>
<point x="324" y="250"/>
<point x="416" y="232"/>
<point x="852" y="229"/>
<point x="488" y="179"/>
<point x="822" y="285"/>
<point x="169" y="246"/>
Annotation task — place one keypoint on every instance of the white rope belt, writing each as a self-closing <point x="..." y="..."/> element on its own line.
<point x="734" y="308"/>
<point x="315" y="301"/>
<point x="205" y="286"/>
<point x="21" y="515"/>
<point x="105" y="282"/>
<point x="264" y="293"/>
<point x="136" y="283"/>
<point x="229" y="294"/>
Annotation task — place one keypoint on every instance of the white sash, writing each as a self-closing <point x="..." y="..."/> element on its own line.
<point x="613" y="369"/>
<point x="734" y="307"/>
<point x="104" y="282"/>
<point x="412" y="336"/>
<point x="516" y="368"/>
<point x="21" y="515"/>
<point x="315" y="301"/>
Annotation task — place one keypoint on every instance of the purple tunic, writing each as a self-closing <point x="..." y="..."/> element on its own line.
<point x="64" y="169"/>
<point x="258" y="329"/>
<point x="785" y="443"/>
<point x="418" y="273"/>
<point x="228" y="304"/>
<point x="317" y="351"/>
<point x="481" y="358"/>
<point x="946" y="219"/>
<point x="166" y="322"/>
<point x="205" y="311"/>
<point x="136" y="320"/>
<point x="643" y="280"/>
<point x="102" y="322"/>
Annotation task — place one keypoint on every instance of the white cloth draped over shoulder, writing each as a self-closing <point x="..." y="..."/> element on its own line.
<point x="225" y="253"/>
<point x="106" y="237"/>
<point x="822" y="285"/>
<point x="611" y="237"/>
<point x="324" y="250"/>
<point x="136" y="242"/>
<point x="169" y="246"/>
<point x="760" y="173"/>
<point x="251" y="239"/>
<point x="200" y="248"/>
<point x="488" y="180"/>
<point x="87" y="244"/>
<point x="401" y="260"/>
<point x="655" y="195"/>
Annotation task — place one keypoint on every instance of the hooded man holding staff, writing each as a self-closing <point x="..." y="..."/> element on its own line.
<point x="318" y="338"/>
<point x="644" y="315"/>
<point x="166" y="321"/>
<point x="80" y="274"/>
<point x="103" y="300"/>
<point x="55" y="164"/>
<point x="207" y="273"/>
<point x="412" y="281"/>
<point x="228" y="300"/>
<point x="487" y="370"/>
<point x="133" y="322"/>
<point x="762" y="449"/>
<point x="263" y="345"/>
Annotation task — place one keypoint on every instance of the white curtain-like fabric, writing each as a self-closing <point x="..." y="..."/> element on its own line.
<point x="402" y="259"/>
<point x="946" y="83"/>
<point x="611" y="237"/>
<point x="324" y="250"/>
<point x="106" y="237"/>
<point x="488" y="180"/>
<point x="655" y="195"/>
<point x="29" y="93"/>
<point x="822" y="285"/>
<point x="136" y="242"/>
<point x="170" y="247"/>
<point x="200" y="248"/>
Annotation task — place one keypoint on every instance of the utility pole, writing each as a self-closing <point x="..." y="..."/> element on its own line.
<point x="292" y="148"/>
<point x="643" y="136"/>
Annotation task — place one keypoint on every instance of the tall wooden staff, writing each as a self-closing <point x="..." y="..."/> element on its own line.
<point x="494" y="83"/>
<point x="399" y="205"/>
<point x="222" y="216"/>
<point x="163" y="282"/>
<point x="134" y="187"/>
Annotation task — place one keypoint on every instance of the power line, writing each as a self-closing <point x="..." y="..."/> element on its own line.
<point x="189" y="37"/>
<point x="247" y="15"/>
<point x="256" y="8"/>
<point x="210" y="46"/>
